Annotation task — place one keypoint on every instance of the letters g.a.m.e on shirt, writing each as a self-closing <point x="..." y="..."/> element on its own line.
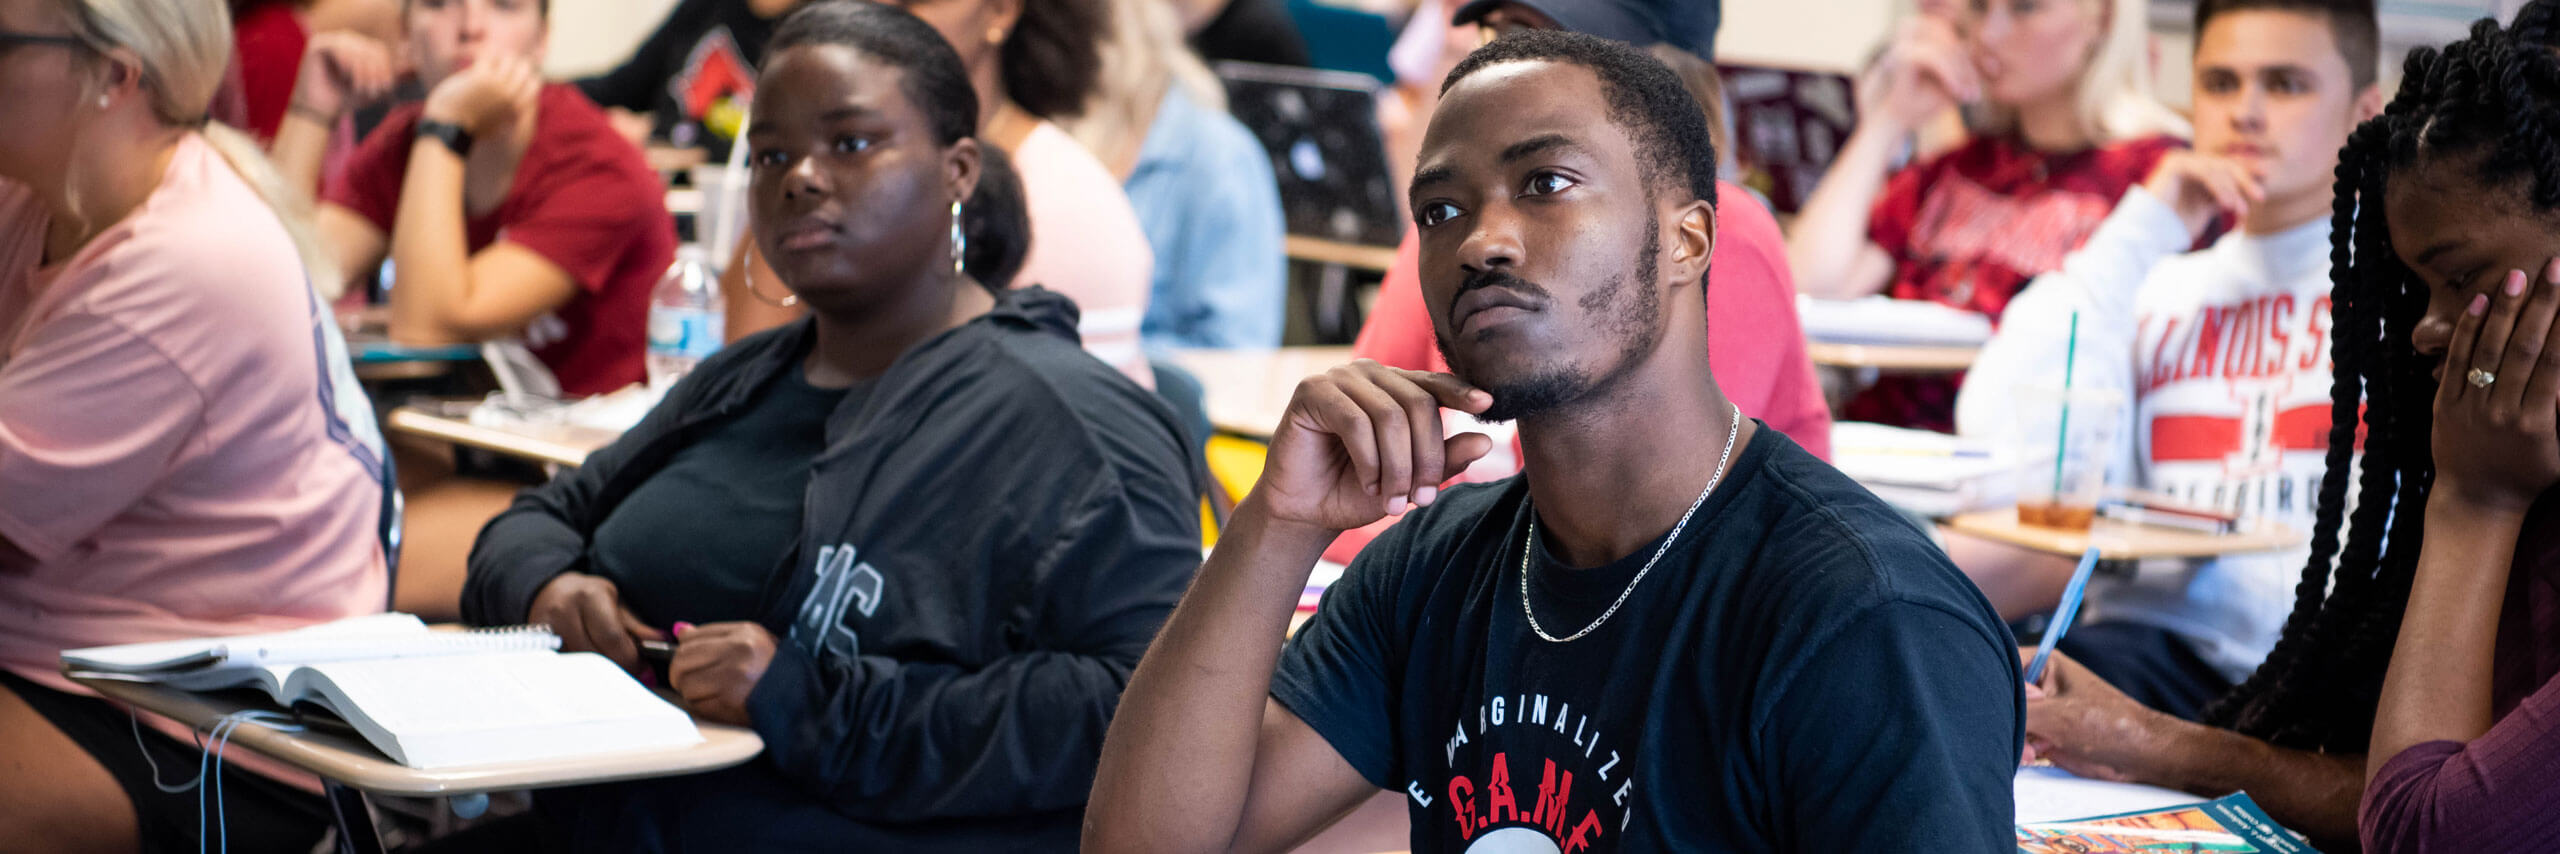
<point x="1803" y="671"/>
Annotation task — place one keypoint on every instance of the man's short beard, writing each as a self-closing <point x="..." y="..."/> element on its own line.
<point x="1631" y="309"/>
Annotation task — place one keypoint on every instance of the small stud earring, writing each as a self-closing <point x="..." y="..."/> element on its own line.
<point x="102" y="102"/>
<point x="995" y="35"/>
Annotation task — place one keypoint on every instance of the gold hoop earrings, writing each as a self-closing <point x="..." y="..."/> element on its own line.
<point x="785" y="302"/>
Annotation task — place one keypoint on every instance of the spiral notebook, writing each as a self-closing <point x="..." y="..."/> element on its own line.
<point x="425" y="698"/>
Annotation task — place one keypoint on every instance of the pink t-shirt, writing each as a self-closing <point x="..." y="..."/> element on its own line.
<point x="1086" y="243"/>
<point x="182" y="451"/>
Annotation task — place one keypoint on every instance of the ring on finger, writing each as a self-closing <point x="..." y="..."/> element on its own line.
<point x="2480" y="378"/>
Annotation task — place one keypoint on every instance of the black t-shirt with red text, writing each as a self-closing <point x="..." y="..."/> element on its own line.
<point x="1802" y="671"/>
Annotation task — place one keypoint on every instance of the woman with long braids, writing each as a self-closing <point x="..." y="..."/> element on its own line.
<point x="2467" y="729"/>
<point x="2444" y="203"/>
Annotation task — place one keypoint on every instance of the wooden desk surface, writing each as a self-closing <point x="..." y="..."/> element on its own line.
<point x="350" y="761"/>
<point x="1358" y="256"/>
<point x="413" y="369"/>
<point x="667" y="158"/>
<point x="2119" y="541"/>
<point x="1895" y="359"/>
<point x="373" y="350"/>
<point x="561" y="444"/>
<point x="1248" y="390"/>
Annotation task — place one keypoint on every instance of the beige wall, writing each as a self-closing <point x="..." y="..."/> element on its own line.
<point x="1840" y="35"/>
<point x="588" y="36"/>
<point x="1823" y="35"/>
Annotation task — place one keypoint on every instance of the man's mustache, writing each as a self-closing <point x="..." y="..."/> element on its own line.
<point x="1498" y="278"/>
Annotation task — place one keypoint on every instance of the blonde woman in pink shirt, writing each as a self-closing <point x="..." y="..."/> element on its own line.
<point x="183" y="451"/>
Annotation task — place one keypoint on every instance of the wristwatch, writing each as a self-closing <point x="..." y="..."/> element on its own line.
<point x="452" y="135"/>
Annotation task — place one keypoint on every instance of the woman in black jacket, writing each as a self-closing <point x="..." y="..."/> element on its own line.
<point x="924" y="536"/>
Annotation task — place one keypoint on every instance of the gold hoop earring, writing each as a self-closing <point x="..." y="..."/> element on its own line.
<point x="785" y="302"/>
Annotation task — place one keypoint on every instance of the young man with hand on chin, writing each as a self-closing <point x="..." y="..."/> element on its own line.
<point x="1674" y="630"/>
<point x="2222" y="353"/>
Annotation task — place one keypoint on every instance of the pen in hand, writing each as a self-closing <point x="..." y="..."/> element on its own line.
<point x="2063" y="614"/>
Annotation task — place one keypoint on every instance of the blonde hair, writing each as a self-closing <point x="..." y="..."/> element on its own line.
<point x="184" y="47"/>
<point x="1143" y="54"/>
<point x="2113" y="99"/>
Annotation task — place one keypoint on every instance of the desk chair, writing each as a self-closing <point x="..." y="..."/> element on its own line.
<point x="390" y="529"/>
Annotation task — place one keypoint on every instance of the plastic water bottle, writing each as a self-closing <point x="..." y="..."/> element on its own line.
<point x="685" y="320"/>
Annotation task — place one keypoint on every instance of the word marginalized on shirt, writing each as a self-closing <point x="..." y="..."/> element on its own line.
<point x="1485" y="802"/>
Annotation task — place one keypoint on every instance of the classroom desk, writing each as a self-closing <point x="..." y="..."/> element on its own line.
<point x="352" y="768"/>
<point x="667" y="159"/>
<point x="2120" y="541"/>
<point x="1892" y="358"/>
<point x="377" y="359"/>
<point x="557" y="444"/>
<point x="370" y="351"/>
<point x="1248" y="390"/>
<point x="1357" y="256"/>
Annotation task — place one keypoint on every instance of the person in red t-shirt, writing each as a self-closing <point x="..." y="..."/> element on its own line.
<point x="507" y="206"/>
<point x="509" y="209"/>
<point x="269" y="37"/>
<point x="2068" y="123"/>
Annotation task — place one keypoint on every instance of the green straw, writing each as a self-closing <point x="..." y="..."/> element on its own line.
<point x="2062" y="435"/>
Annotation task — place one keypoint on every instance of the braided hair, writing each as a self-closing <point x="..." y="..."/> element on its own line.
<point x="2491" y="99"/>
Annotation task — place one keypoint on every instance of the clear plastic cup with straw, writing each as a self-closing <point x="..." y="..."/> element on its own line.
<point x="2067" y="437"/>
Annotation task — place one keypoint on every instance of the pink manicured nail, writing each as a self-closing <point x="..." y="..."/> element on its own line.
<point x="1396" y="506"/>
<point x="680" y="629"/>
<point x="2515" y="283"/>
<point x="2479" y="305"/>
<point x="1424" y="496"/>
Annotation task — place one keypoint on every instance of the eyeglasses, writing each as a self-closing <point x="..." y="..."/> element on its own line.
<point x="10" y="40"/>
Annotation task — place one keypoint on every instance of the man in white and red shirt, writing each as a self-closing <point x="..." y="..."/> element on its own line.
<point x="2223" y="353"/>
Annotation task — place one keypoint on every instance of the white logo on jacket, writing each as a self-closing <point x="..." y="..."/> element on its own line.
<point x="842" y="585"/>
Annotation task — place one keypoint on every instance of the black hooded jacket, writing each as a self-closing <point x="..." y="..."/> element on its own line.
<point x="986" y="548"/>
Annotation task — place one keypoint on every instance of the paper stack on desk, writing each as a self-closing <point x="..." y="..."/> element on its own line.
<point x="426" y="698"/>
<point x="1931" y="474"/>
<point x="1891" y="322"/>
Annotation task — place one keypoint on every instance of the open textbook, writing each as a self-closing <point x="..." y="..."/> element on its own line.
<point x="2232" y="823"/>
<point x="426" y="698"/>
